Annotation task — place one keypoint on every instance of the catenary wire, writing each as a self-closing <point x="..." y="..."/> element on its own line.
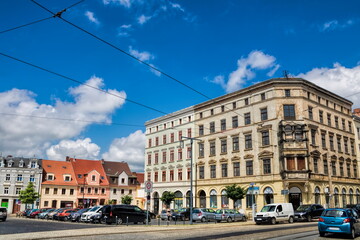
<point x="71" y="120"/>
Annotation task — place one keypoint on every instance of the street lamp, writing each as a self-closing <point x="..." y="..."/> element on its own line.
<point x="191" y="175"/>
<point x="83" y="200"/>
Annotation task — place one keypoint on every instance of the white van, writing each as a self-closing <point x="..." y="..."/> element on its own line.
<point x="275" y="212"/>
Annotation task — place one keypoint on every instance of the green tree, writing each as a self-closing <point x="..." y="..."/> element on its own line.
<point x="167" y="198"/>
<point x="29" y="195"/>
<point x="235" y="192"/>
<point x="126" y="199"/>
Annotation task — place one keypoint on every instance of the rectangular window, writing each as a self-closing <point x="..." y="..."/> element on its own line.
<point x="149" y="144"/>
<point x="246" y="101"/>
<point x="212" y="148"/>
<point x="301" y="163"/>
<point x="63" y="191"/>
<point x="343" y="124"/>
<point x="171" y="175"/>
<point x="6" y="190"/>
<point x="19" y="178"/>
<point x="234" y="105"/>
<point x="212" y="112"/>
<point x="201" y="130"/>
<point x="180" y="135"/>
<point x="164" y="157"/>
<point x="7" y="178"/>
<point x="93" y="178"/>
<point x="235" y="122"/>
<point x="47" y="190"/>
<point x="213" y="171"/>
<point x="114" y="191"/>
<point x="149" y="159"/>
<point x="249" y="168"/>
<point x="263" y="97"/>
<point x="289" y="112"/>
<point x="156" y="177"/>
<point x="336" y="122"/>
<point x="326" y="168"/>
<point x="235" y="143"/>
<point x="67" y="179"/>
<point x="316" y="166"/>
<point x="333" y="167"/>
<point x="310" y="111"/>
<point x="46" y="203"/>
<point x="188" y="152"/>
<point x="352" y="146"/>
<point x="180" y="156"/>
<point x="346" y="145"/>
<point x="287" y="93"/>
<point x="189" y="132"/>
<point x="266" y="166"/>
<point x="55" y="191"/>
<point x="201" y="172"/>
<point x="236" y="169"/>
<point x="224" y="170"/>
<point x="329" y="119"/>
<point x="247" y="118"/>
<point x="212" y="127"/>
<point x="331" y="141"/>
<point x="313" y="136"/>
<point x="32" y="178"/>
<point x="17" y="191"/>
<point x="223" y="124"/>
<point x="323" y="140"/>
<point x="339" y="144"/>
<point x="188" y="174"/>
<point x="350" y="127"/>
<point x="163" y="176"/>
<point x="164" y="139"/>
<point x="157" y="141"/>
<point x="223" y="146"/>
<point x="290" y="162"/>
<point x="179" y="174"/>
<point x="156" y="158"/>
<point x="248" y="141"/>
<point x="265" y="138"/>
<point x="172" y="156"/>
<point x="172" y="137"/>
<point x="201" y="149"/>
<point x="263" y="114"/>
<point x="89" y="190"/>
<point x="348" y="170"/>
<point x="222" y="108"/>
<point x="341" y="169"/>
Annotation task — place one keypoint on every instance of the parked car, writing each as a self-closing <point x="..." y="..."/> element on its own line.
<point x="123" y="213"/>
<point x="356" y="207"/>
<point x="76" y="216"/>
<point x="86" y="217"/>
<point x="31" y="212"/>
<point x="151" y="214"/>
<point x="308" y="212"/>
<point x="44" y="215"/>
<point x="181" y="214"/>
<point x="65" y="214"/>
<point x="53" y="214"/>
<point x="3" y="214"/>
<point x="203" y="214"/>
<point x="275" y="212"/>
<point x="339" y="220"/>
<point x="35" y="214"/>
<point x="166" y="214"/>
<point x="229" y="215"/>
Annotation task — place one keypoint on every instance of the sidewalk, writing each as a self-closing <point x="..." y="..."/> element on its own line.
<point x="121" y="229"/>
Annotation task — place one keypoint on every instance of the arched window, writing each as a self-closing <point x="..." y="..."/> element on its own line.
<point x="224" y="200"/>
<point x="327" y="197"/>
<point x="351" y="196"/>
<point x="268" y="195"/>
<point x="156" y="202"/>
<point x="336" y="197"/>
<point x="343" y="197"/>
<point x="317" y="195"/>
<point x="202" y="196"/>
<point x="178" y="200"/>
<point x="357" y="196"/>
<point x="213" y="198"/>
<point x="188" y="199"/>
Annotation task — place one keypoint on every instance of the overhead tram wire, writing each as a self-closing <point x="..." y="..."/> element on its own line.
<point x="119" y="49"/>
<point x="38" y="21"/>
<point x="71" y="120"/>
<point x="82" y="83"/>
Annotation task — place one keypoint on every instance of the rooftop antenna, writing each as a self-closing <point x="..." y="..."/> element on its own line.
<point x="286" y="74"/>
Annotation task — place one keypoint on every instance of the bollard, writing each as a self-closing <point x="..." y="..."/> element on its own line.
<point x="116" y="220"/>
<point x="159" y="221"/>
<point x="127" y="220"/>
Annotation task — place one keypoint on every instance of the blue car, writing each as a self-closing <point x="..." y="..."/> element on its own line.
<point x="339" y="220"/>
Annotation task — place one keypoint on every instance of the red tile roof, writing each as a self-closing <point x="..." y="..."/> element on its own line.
<point x="59" y="169"/>
<point x="83" y="166"/>
<point x="116" y="168"/>
<point x="140" y="177"/>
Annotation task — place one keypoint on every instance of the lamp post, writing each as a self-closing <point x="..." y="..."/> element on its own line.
<point x="83" y="200"/>
<point x="191" y="173"/>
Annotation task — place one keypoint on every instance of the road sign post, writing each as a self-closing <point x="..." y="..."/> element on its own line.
<point x="148" y="190"/>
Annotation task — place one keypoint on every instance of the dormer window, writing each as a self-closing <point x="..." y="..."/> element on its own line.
<point x="32" y="164"/>
<point x="67" y="178"/>
<point x="50" y="177"/>
<point x="21" y="163"/>
<point x="10" y="163"/>
<point x="93" y="178"/>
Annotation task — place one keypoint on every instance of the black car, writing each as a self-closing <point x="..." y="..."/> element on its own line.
<point x="181" y="214"/>
<point x="122" y="213"/>
<point x="308" y="212"/>
<point x="356" y="207"/>
<point x="3" y="213"/>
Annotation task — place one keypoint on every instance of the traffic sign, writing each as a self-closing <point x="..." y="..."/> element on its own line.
<point x="148" y="186"/>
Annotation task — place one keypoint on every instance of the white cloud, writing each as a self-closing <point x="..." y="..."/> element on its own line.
<point x="90" y="16"/>
<point x="124" y="30"/>
<point x="256" y="60"/>
<point x="81" y="148"/>
<point x="143" y="19"/>
<point x="28" y="136"/>
<point x="129" y="149"/>
<point x="125" y="3"/>
<point x="143" y="56"/>
<point x="338" y="79"/>
<point x="335" y="24"/>
<point x="177" y="6"/>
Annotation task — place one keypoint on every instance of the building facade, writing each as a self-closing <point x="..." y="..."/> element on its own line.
<point x="287" y="138"/>
<point x="15" y="175"/>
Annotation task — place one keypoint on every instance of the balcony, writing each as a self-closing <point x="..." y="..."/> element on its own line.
<point x="296" y="175"/>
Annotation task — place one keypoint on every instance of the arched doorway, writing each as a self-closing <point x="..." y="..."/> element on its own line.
<point x="188" y="199"/>
<point x="268" y="195"/>
<point x="202" y="196"/>
<point x="224" y="199"/>
<point x="156" y="199"/>
<point x="178" y="201"/>
<point x="213" y="198"/>
<point x="317" y="195"/>
<point x="336" y="197"/>
<point x="295" y="197"/>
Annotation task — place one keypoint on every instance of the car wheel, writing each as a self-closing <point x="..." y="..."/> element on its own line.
<point x="353" y="234"/>
<point x="322" y="234"/>
<point x="273" y="221"/>
<point x="258" y="223"/>
<point x="243" y="219"/>
<point x="218" y="221"/>
<point x="102" y="220"/>
<point x="308" y="218"/>
<point x="119" y="221"/>
<point x="182" y="218"/>
<point x="37" y="216"/>
<point x="291" y="219"/>
<point x="229" y="220"/>
<point x="203" y="219"/>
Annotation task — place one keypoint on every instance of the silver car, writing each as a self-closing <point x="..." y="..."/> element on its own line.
<point x="203" y="214"/>
<point x="166" y="214"/>
<point x="229" y="215"/>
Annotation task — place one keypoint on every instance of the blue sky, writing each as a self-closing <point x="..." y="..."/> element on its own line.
<point x="215" y="47"/>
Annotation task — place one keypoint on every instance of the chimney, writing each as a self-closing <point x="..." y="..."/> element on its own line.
<point x="356" y="112"/>
<point x="67" y="159"/>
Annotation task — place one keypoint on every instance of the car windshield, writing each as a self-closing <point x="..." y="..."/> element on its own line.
<point x="219" y="211"/>
<point x="334" y="213"/>
<point x="94" y="209"/>
<point x="268" y="209"/>
<point x="2" y="209"/>
<point x="303" y="208"/>
<point x="196" y="211"/>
